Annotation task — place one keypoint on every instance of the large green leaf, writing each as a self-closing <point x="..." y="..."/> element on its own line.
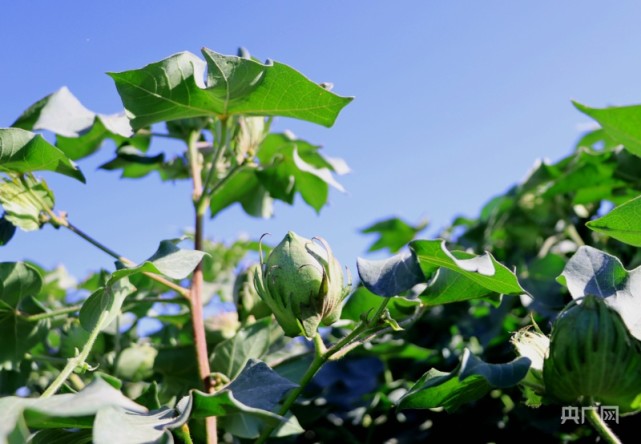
<point x="622" y="223"/>
<point x="593" y="272"/>
<point x="449" y="286"/>
<point x="23" y="152"/>
<point x="483" y="270"/>
<point x="24" y="200"/>
<point x="251" y="342"/>
<point x="471" y="380"/>
<point x="175" y="88"/>
<point x="471" y="276"/>
<point x="621" y="123"/>
<point x="168" y="260"/>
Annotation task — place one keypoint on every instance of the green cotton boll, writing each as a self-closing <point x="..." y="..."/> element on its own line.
<point x="593" y="358"/>
<point x="302" y="283"/>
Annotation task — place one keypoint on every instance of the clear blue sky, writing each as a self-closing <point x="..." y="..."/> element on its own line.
<point x="454" y="102"/>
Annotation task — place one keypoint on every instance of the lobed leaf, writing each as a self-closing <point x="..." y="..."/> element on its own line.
<point x="175" y="88"/>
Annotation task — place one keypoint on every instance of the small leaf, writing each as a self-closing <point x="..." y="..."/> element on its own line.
<point x="24" y="152"/>
<point x="24" y="200"/>
<point x="621" y="123"/>
<point x="470" y="381"/>
<point x="593" y="272"/>
<point x="392" y="276"/>
<point x="233" y="354"/>
<point x="169" y="260"/>
<point x="393" y="234"/>
<point x="621" y="223"/>
<point x="175" y="88"/>
<point x="105" y="300"/>
<point x="134" y="163"/>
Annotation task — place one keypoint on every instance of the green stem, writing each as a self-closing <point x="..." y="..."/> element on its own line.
<point x="601" y="427"/>
<point x="319" y="359"/>
<point x="220" y="144"/>
<point x="321" y="356"/>
<point x="75" y="362"/>
<point x="51" y="314"/>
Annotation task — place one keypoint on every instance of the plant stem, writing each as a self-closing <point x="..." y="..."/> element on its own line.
<point x="73" y="363"/>
<point x="220" y="145"/>
<point x="319" y="359"/>
<point x="601" y="427"/>
<point x="321" y="356"/>
<point x="51" y="314"/>
<point x="195" y="294"/>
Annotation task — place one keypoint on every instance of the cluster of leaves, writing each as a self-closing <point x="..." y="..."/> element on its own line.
<point x="118" y="356"/>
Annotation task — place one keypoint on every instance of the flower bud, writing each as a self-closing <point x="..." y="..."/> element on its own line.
<point x="593" y="358"/>
<point x="248" y="303"/>
<point x="302" y="283"/>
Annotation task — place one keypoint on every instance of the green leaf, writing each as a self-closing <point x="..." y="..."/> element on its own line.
<point x="255" y="392"/>
<point x="175" y="88"/>
<point x="63" y="411"/>
<point x="393" y="234"/>
<point x="622" y="223"/>
<point x="593" y="272"/>
<point x="169" y="260"/>
<point x="233" y="354"/>
<point x="79" y="132"/>
<point x="18" y="280"/>
<point x="105" y="300"/>
<point x="19" y="284"/>
<point x="622" y="123"/>
<point x="449" y="286"/>
<point x="243" y="187"/>
<point x="470" y="381"/>
<point x="149" y="398"/>
<point x="134" y="163"/>
<point x="7" y="229"/>
<point x="483" y="270"/>
<point x="392" y="276"/>
<point x="24" y="152"/>
<point x="363" y="301"/>
<point x="24" y="200"/>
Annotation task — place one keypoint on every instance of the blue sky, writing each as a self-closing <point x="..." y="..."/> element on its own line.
<point x="454" y="102"/>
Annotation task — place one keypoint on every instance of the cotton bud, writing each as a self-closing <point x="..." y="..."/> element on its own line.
<point x="302" y="283"/>
<point x="593" y="358"/>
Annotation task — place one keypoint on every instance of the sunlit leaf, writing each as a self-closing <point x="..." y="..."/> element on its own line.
<point x="177" y="88"/>
<point x="621" y="223"/>
<point x="621" y="123"/>
<point x="23" y="152"/>
<point x="24" y="200"/>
